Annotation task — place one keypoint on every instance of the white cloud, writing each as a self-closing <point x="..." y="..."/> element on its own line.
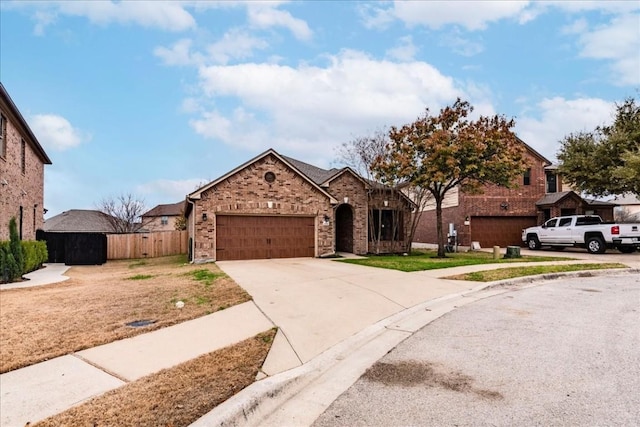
<point x="266" y="15"/>
<point x="313" y="108"/>
<point x="235" y="44"/>
<point x="619" y="42"/>
<point x="404" y="51"/>
<point x="165" y="15"/>
<point x="55" y="132"/>
<point x="472" y="15"/>
<point x="178" y="54"/>
<point x="559" y="117"/>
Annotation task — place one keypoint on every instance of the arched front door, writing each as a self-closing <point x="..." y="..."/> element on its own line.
<point x="344" y="228"/>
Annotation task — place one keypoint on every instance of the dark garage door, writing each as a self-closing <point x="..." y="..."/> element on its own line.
<point x="261" y="237"/>
<point x="499" y="231"/>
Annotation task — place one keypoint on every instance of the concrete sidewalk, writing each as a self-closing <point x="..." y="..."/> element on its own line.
<point x="50" y="274"/>
<point x="38" y="391"/>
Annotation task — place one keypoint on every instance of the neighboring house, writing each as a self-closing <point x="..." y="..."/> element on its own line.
<point x="22" y="161"/>
<point x="77" y="237"/>
<point x="277" y="207"/>
<point x="627" y="208"/>
<point x="570" y="203"/>
<point x="79" y="221"/>
<point x="497" y="216"/>
<point x="163" y="217"/>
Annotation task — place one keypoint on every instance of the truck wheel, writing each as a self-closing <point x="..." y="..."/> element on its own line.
<point x="595" y="245"/>
<point x="626" y="249"/>
<point x="533" y="243"/>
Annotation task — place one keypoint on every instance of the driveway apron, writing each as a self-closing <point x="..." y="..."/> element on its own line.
<point x="317" y="303"/>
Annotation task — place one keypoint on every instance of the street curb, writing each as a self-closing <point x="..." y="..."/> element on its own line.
<point x="259" y="402"/>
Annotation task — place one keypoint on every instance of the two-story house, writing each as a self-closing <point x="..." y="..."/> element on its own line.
<point x="22" y="161"/>
<point x="163" y="217"/>
<point x="497" y="216"/>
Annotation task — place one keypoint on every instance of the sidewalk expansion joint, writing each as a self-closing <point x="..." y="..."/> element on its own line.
<point x="106" y="371"/>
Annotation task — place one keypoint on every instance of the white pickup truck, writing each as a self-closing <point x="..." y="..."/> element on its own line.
<point x="587" y="231"/>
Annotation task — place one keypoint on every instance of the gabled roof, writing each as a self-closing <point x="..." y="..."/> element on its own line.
<point x="553" y="198"/>
<point x="287" y="161"/>
<point x="540" y="156"/>
<point x="316" y="174"/>
<point x="626" y="199"/>
<point x="78" y="220"/>
<point x="22" y="123"/>
<point x="174" y="209"/>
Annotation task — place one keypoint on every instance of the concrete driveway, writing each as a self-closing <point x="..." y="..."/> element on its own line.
<point x="317" y="303"/>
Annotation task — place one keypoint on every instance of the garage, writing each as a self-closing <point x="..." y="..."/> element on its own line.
<point x="262" y="237"/>
<point x="499" y="231"/>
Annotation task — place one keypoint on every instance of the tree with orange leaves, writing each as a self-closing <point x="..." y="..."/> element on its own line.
<point x="439" y="153"/>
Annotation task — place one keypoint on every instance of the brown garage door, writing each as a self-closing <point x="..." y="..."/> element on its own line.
<point x="499" y="231"/>
<point x="260" y="237"/>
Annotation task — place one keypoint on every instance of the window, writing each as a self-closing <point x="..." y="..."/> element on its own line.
<point x="23" y="156"/>
<point x="527" y="177"/>
<point x="387" y="225"/>
<point x="564" y="222"/>
<point x="3" y="135"/>
<point x="164" y="220"/>
<point x="551" y="183"/>
<point x="551" y="223"/>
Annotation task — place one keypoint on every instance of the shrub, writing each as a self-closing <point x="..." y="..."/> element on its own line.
<point x="15" y="246"/>
<point x="9" y="270"/>
<point x="35" y="254"/>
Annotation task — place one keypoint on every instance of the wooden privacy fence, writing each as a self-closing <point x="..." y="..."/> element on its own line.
<point x="146" y="245"/>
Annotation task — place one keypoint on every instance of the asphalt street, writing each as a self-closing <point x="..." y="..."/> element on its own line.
<point x="566" y="352"/>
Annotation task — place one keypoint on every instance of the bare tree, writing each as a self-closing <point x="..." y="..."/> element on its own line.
<point x="124" y="212"/>
<point x="624" y="215"/>
<point x="360" y="154"/>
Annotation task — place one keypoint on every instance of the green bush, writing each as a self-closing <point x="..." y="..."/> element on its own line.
<point x="35" y="254"/>
<point x="9" y="270"/>
<point x="15" y="246"/>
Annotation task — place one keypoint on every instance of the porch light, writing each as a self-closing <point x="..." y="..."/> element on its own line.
<point x="386" y="203"/>
<point x="270" y="205"/>
<point x="346" y="200"/>
<point x="204" y="216"/>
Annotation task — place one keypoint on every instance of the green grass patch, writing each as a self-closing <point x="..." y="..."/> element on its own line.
<point x="428" y="260"/>
<point x="140" y="277"/>
<point x="205" y="276"/>
<point x="513" y="272"/>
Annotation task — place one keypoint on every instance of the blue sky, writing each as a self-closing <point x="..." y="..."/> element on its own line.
<point x="153" y="98"/>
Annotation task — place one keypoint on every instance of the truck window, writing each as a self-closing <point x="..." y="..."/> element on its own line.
<point x="588" y="220"/>
<point x="564" y="222"/>
<point x="551" y="223"/>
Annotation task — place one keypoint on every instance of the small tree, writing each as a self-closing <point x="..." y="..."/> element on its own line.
<point x="439" y="153"/>
<point x="606" y="160"/>
<point x="359" y="154"/>
<point x="124" y="212"/>
<point x="181" y="222"/>
<point x="16" y="247"/>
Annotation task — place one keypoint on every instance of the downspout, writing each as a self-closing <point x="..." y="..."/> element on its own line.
<point x="192" y="229"/>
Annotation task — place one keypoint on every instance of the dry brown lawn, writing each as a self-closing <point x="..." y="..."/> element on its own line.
<point x="174" y="397"/>
<point x="94" y="306"/>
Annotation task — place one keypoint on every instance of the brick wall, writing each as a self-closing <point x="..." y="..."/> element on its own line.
<point x="247" y="192"/>
<point x="21" y="190"/>
<point x="494" y="201"/>
<point x="347" y="185"/>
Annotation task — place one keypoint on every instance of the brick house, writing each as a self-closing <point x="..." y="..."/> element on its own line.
<point x="162" y="217"/>
<point x="274" y="206"/>
<point x="497" y="216"/>
<point x="22" y="161"/>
